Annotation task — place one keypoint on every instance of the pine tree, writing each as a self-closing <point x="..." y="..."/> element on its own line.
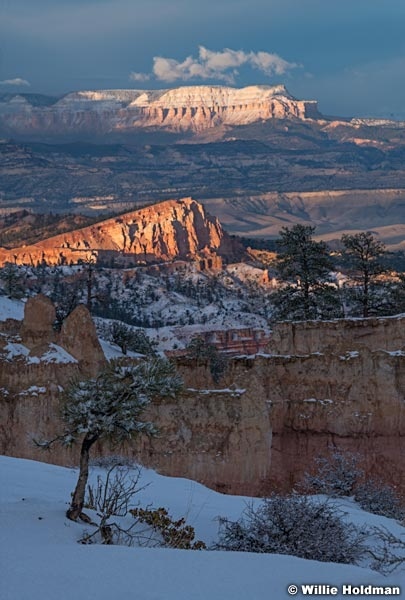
<point x="12" y="280"/>
<point x="363" y="253"/>
<point x="305" y="266"/>
<point x="203" y="352"/>
<point x="111" y="406"/>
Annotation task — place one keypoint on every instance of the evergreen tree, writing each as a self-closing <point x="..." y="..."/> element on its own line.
<point x="13" y="281"/>
<point x="363" y="253"/>
<point x="128" y="338"/>
<point x="204" y="352"/>
<point x="111" y="406"/>
<point x="304" y="265"/>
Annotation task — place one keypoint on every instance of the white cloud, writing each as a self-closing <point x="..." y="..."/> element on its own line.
<point x="17" y="82"/>
<point x="222" y="65"/>
<point x="139" y="76"/>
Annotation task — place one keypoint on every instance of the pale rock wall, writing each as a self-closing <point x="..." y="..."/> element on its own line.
<point x="207" y="436"/>
<point x="338" y="336"/>
<point x="221" y="439"/>
<point x="211" y="438"/>
<point x="194" y="108"/>
<point x="355" y="402"/>
<point x="262" y="426"/>
<point x="36" y="364"/>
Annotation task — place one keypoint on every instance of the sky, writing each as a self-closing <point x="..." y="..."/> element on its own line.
<point x="347" y="54"/>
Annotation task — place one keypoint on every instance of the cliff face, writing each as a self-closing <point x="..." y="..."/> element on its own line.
<point x="187" y="108"/>
<point x="172" y="229"/>
<point x="36" y="363"/>
<point x="338" y="336"/>
<point x="352" y="400"/>
<point x="260" y="428"/>
<point x="338" y="384"/>
<point x="199" y="108"/>
<point x="214" y="437"/>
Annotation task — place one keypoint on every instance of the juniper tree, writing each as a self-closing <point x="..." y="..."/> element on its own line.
<point x="305" y="266"/>
<point x="111" y="406"/>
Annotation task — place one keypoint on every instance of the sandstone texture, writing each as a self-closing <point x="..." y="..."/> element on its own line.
<point x="36" y="364"/>
<point x="338" y="336"/>
<point x="319" y="386"/>
<point x="34" y="343"/>
<point x="219" y="438"/>
<point x="79" y="337"/>
<point x="39" y="318"/>
<point x="175" y="229"/>
<point x="296" y="407"/>
<point x="211" y="436"/>
<point x="194" y="108"/>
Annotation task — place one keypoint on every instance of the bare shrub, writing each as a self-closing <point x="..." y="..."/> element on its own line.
<point x="379" y="499"/>
<point x="111" y="497"/>
<point x="335" y="475"/>
<point x="295" y="525"/>
<point x="389" y="550"/>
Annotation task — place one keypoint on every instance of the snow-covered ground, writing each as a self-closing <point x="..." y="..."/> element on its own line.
<point x="41" y="560"/>
<point x="11" y="309"/>
<point x="234" y="297"/>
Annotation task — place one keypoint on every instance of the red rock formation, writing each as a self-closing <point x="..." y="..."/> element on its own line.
<point x="266" y="421"/>
<point x="175" y="229"/>
<point x="244" y="340"/>
<point x="79" y="337"/>
<point x="206" y="436"/>
<point x="39" y="318"/>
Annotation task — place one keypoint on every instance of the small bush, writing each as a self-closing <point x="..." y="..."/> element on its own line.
<point x="336" y="475"/>
<point x="175" y="534"/>
<point x="111" y="498"/>
<point x="389" y="553"/>
<point x="379" y="499"/>
<point x="295" y="525"/>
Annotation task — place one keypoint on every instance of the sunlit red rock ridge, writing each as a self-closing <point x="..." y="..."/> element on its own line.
<point x="174" y="229"/>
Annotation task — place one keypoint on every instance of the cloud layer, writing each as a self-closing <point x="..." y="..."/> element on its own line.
<point x="17" y="81"/>
<point x="221" y="66"/>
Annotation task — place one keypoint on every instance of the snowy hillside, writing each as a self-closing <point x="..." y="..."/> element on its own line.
<point x="232" y="298"/>
<point x="11" y="309"/>
<point x="40" y="559"/>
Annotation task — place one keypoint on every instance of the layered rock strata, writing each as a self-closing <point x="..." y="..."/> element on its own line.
<point x="194" y="108"/>
<point x="338" y="336"/>
<point x="206" y="435"/>
<point x="262" y="426"/>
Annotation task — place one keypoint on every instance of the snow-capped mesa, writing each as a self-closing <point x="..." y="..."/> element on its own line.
<point x="194" y="108"/>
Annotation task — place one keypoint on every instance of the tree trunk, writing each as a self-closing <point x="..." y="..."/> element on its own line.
<point x="89" y="287"/>
<point x="366" y="299"/>
<point x="76" y="506"/>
